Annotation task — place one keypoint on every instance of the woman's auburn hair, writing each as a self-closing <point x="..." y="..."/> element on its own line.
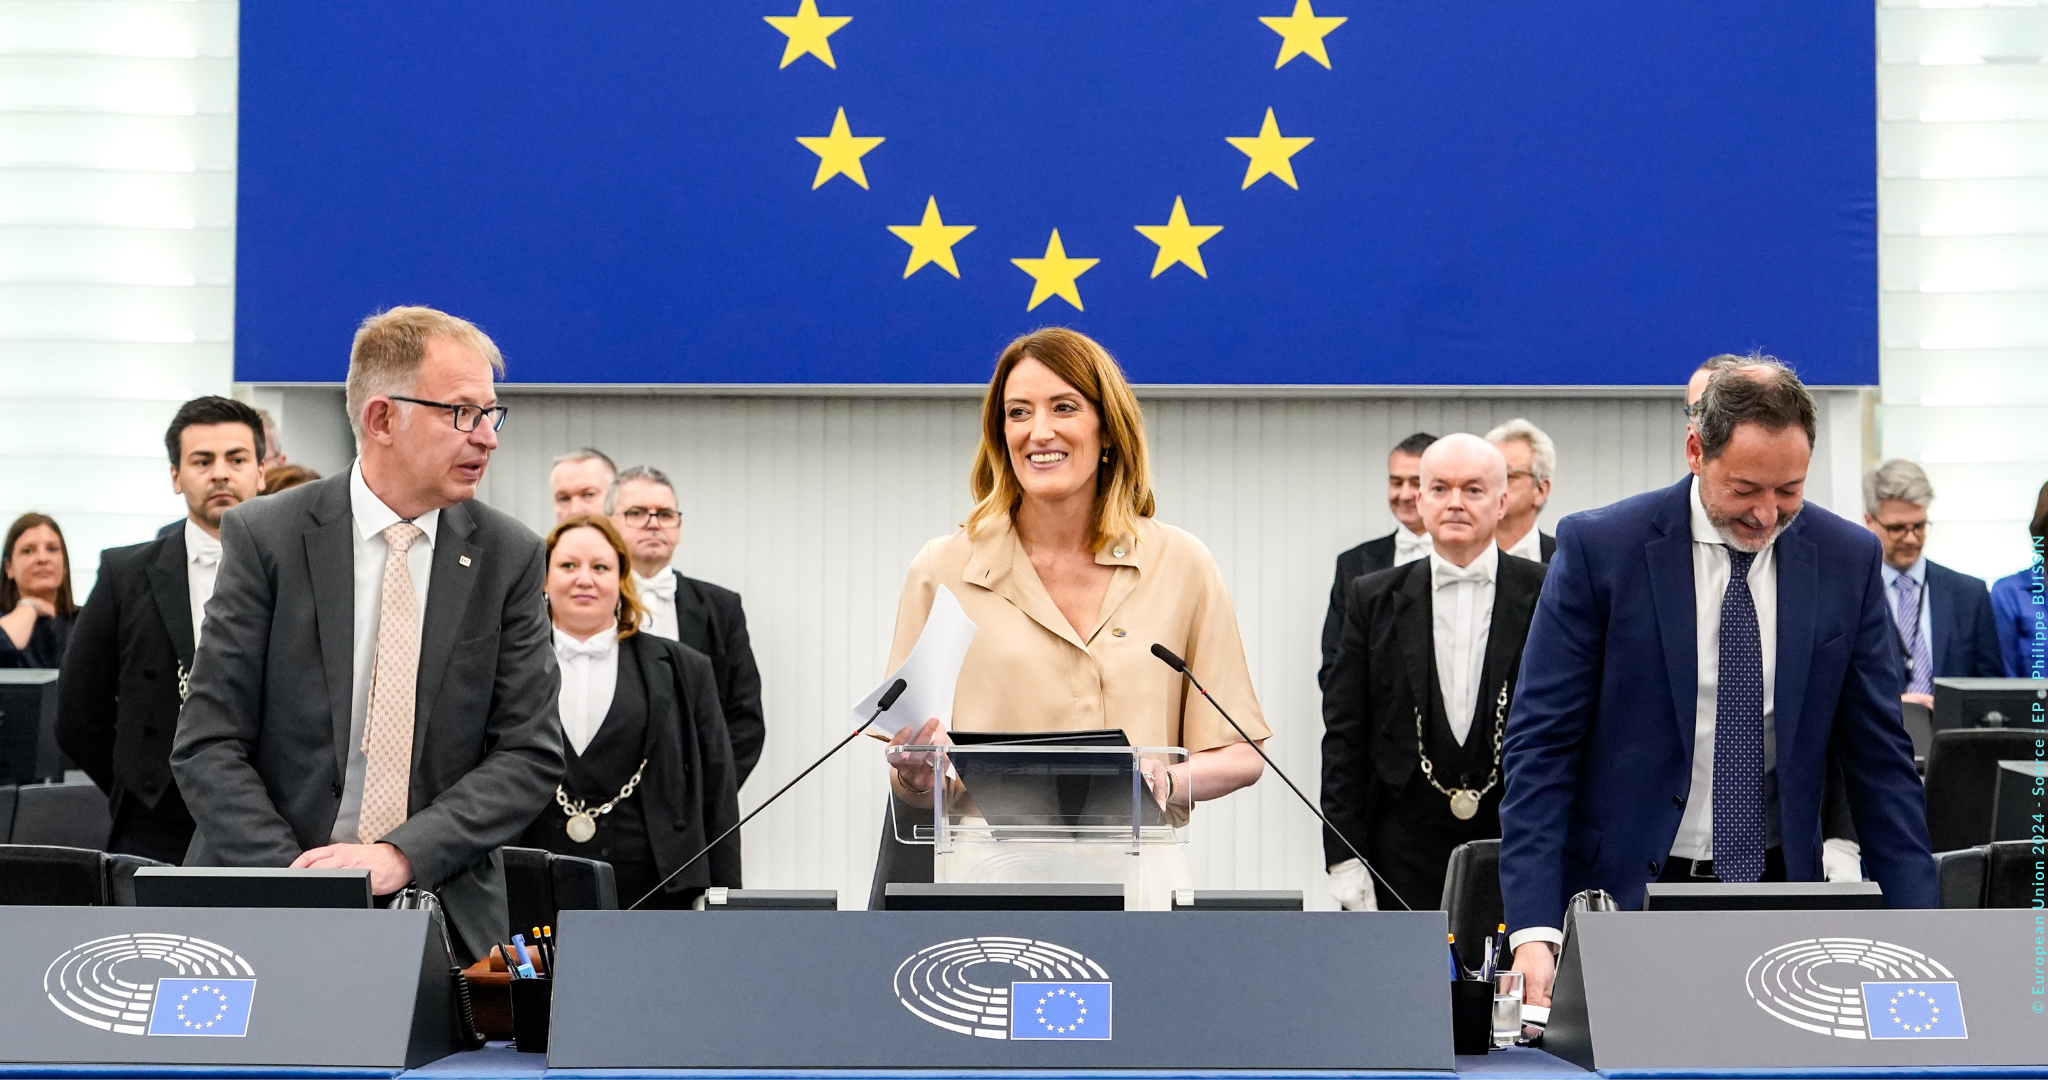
<point x="10" y="593"/>
<point x="631" y="610"/>
<point x="1123" y="484"/>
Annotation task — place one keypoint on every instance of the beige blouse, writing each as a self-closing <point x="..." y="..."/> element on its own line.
<point x="1029" y="671"/>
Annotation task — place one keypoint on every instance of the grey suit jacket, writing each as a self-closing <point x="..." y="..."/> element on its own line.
<point x="262" y="742"/>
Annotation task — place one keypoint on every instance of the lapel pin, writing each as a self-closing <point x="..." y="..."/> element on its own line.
<point x="464" y="560"/>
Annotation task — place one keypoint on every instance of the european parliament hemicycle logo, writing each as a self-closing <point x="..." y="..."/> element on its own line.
<point x="153" y="984"/>
<point x="967" y="986"/>
<point x="1912" y="997"/>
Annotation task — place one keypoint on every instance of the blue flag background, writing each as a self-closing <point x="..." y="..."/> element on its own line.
<point x="1601" y="192"/>
<point x="216" y="1007"/>
<point x="1914" y="1010"/>
<point x="1066" y="1011"/>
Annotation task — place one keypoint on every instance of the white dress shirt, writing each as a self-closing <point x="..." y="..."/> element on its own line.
<point x="590" y="676"/>
<point x="658" y="595"/>
<point x="1410" y="546"/>
<point x="1918" y="572"/>
<point x="1461" y="617"/>
<point x="1530" y="546"/>
<point x="366" y="540"/>
<point x="202" y="566"/>
<point x="1710" y="567"/>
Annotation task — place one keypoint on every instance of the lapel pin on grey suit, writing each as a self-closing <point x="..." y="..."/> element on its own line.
<point x="464" y="560"/>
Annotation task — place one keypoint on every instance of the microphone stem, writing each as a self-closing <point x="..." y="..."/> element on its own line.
<point x="1305" y="800"/>
<point x="687" y="863"/>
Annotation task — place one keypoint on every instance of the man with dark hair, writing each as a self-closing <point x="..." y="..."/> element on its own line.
<point x="1407" y="543"/>
<point x="124" y="675"/>
<point x="1698" y="656"/>
<point x="708" y="618"/>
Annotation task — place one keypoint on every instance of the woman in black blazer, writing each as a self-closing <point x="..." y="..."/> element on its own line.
<point x="36" y="611"/>
<point x="650" y="774"/>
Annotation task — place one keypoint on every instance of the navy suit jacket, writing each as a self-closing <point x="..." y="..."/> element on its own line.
<point x="1599" y="743"/>
<point x="1965" y="631"/>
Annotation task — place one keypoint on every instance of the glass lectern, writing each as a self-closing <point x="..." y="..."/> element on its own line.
<point x="1056" y="813"/>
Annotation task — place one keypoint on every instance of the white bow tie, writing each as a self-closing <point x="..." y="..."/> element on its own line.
<point x="662" y="586"/>
<point x="1450" y="574"/>
<point x="595" y="648"/>
<point x="207" y="558"/>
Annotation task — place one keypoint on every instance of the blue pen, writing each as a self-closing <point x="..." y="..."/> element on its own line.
<point x="525" y="962"/>
<point x="1457" y="969"/>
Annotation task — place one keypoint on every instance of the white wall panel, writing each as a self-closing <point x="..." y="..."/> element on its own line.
<point x="812" y="507"/>
<point x="1963" y="261"/>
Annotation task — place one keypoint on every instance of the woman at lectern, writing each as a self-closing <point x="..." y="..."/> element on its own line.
<point x="650" y="772"/>
<point x="1070" y="582"/>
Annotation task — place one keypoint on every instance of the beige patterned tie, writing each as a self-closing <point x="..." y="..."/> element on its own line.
<point x="394" y="676"/>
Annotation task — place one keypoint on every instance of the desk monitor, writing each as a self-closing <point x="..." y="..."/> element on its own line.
<point x="979" y="896"/>
<point x="28" y="726"/>
<point x="1965" y="703"/>
<point x="1763" y="896"/>
<point x="718" y="898"/>
<point x="251" y="887"/>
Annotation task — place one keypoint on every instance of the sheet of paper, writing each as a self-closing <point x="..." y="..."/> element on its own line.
<point x="930" y="671"/>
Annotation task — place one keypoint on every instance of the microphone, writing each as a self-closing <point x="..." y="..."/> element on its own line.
<point x="1170" y="659"/>
<point x="888" y="698"/>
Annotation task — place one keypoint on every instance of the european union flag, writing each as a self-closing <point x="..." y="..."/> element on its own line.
<point x="1059" y="1010"/>
<point x="1914" y="1010"/>
<point x="217" y="1007"/>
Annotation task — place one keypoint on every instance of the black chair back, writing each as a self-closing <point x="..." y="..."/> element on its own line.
<point x="897" y="862"/>
<point x="1472" y="898"/>
<point x="1961" y="874"/>
<point x="8" y="796"/>
<point x="52" y="876"/>
<point x="121" y="877"/>
<point x="529" y="889"/>
<point x="582" y="885"/>
<point x="61" y="815"/>
<point x="540" y="885"/>
<point x="2011" y="870"/>
<point x="1962" y="778"/>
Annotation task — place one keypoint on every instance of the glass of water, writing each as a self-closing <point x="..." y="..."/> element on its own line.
<point x="1507" y="1008"/>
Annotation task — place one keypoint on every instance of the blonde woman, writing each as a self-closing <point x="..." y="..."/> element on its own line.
<point x="1070" y="582"/>
<point x="650" y="777"/>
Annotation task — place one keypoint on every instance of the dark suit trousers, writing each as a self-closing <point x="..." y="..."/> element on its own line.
<point x="161" y="832"/>
<point x="1412" y="836"/>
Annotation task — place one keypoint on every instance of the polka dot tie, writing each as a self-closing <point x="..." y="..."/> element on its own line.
<point x="1739" y="732"/>
<point x="394" y="678"/>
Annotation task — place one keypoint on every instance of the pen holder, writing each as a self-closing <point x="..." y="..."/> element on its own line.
<point x="1471" y="1016"/>
<point x="532" y="999"/>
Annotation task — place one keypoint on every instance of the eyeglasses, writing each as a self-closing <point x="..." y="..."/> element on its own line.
<point x="636" y="516"/>
<point x="466" y="417"/>
<point x="1903" y="529"/>
<point x="1692" y="412"/>
<point x="1521" y="474"/>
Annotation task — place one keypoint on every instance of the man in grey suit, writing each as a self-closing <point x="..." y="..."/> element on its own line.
<point x="375" y="686"/>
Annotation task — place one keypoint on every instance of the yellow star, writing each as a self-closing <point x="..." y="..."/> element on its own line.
<point x="840" y="152"/>
<point x="1055" y="274"/>
<point x="807" y="31"/>
<point x="931" y="240"/>
<point x="1300" y="33"/>
<point x="1269" y="152"/>
<point x="1179" y="242"/>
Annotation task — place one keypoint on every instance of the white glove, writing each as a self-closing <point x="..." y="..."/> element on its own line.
<point x="1352" y="886"/>
<point x="1842" y="860"/>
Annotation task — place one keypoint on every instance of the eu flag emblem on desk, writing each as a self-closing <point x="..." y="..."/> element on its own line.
<point x="1059" y="1010"/>
<point x="1914" y="1010"/>
<point x="217" y="1007"/>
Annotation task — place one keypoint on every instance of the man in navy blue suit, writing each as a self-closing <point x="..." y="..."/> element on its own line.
<point x="1942" y="617"/>
<point x="1697" y="655"/>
